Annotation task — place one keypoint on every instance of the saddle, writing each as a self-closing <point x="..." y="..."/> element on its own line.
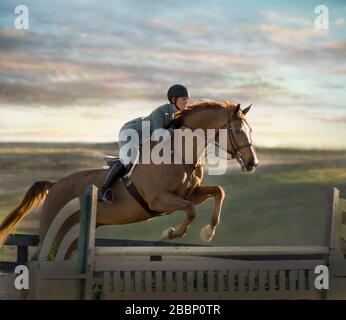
<point x="129" y="185"/>
<point x="110" y="160"/>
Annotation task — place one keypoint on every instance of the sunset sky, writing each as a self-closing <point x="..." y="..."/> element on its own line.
<point x="85" y="67"/>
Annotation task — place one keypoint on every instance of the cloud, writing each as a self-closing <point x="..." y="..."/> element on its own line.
<point x="289" y="36"/>
<point x="329" y="119"/>
<point x="70" y="62"/>
<point x="12" y="33"/>
<point x="339" y="22"/>
<point x="187" y="29"/>
<point x="329" y="85"/>
<point x="300" y="21"/>
<point x="274" y="16"/>
<point x="11" y="40"/>
<point x="270" y="15"/>
<point x="324" y="55"/>
<point x="29" y="77"/>
<point x="335" y="46"/>
<point x="35" y="133"/>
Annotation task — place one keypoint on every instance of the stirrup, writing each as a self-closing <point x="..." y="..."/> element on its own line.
<point x="108" y="196"/>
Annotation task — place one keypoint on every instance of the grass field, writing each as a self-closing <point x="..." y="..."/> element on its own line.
<point x="283" y="202"/>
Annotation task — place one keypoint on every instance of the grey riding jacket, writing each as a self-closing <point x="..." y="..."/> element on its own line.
<point x="161" y="117"/>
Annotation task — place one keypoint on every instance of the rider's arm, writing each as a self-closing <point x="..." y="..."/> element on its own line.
<point x="157" y="120"/>
<point x="161" y="117"/>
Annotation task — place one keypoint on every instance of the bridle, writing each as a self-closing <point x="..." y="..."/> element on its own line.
<point x="235" y="154"/>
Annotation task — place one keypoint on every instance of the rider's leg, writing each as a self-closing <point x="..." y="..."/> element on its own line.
<point x="119" y="168"/>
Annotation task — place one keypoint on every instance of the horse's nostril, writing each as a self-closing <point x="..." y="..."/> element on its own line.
<point x="253" y="163"/>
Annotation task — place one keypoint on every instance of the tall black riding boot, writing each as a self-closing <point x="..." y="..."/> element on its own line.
<point x="106" y="192"/>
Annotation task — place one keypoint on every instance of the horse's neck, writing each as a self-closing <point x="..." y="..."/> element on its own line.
<point x="203" y="121"/>
<point x="195" y="152"/>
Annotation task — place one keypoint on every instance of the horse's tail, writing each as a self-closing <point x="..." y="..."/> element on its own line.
<point x="34" y="196"/>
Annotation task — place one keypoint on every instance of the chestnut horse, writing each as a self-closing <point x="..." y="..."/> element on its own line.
<point x="172" y="187"/>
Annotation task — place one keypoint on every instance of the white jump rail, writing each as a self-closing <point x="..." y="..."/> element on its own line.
<point x="266" y="272"/>
<point x="213" y="251"/>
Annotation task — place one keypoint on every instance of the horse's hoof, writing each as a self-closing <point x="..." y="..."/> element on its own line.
<point x="207" y="233"/>
<point x="167" y="234"/>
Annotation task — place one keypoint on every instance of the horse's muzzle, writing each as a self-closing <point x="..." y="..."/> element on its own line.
<point x="251" y="165"/>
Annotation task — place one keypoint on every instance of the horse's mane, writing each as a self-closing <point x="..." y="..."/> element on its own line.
<point x="201" y="105"/>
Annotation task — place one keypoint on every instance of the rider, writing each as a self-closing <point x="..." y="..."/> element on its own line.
<point x="161" y="117"/>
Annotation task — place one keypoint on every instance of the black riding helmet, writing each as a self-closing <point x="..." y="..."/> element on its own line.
<point x="177" y="91"/>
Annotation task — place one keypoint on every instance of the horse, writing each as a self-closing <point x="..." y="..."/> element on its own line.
<point x="172" y="187"/>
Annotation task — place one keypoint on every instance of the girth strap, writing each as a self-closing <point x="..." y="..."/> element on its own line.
<point x="129" y="185"/>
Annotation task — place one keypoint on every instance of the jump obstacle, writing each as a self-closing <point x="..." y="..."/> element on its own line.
<point x="185" y="272"/>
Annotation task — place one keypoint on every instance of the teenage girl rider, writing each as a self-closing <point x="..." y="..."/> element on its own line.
<point x="161" y="117"/>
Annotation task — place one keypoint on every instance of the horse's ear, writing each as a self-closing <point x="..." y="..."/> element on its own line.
<point x="246" y="110"/>
<point x="237" y="108"/>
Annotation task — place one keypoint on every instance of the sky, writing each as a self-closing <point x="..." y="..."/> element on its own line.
<point x="83" y="67"/>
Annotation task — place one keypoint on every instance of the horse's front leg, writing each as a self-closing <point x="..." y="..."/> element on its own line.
<point x="169" y="202"/>
<point x="202" y="194"/>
